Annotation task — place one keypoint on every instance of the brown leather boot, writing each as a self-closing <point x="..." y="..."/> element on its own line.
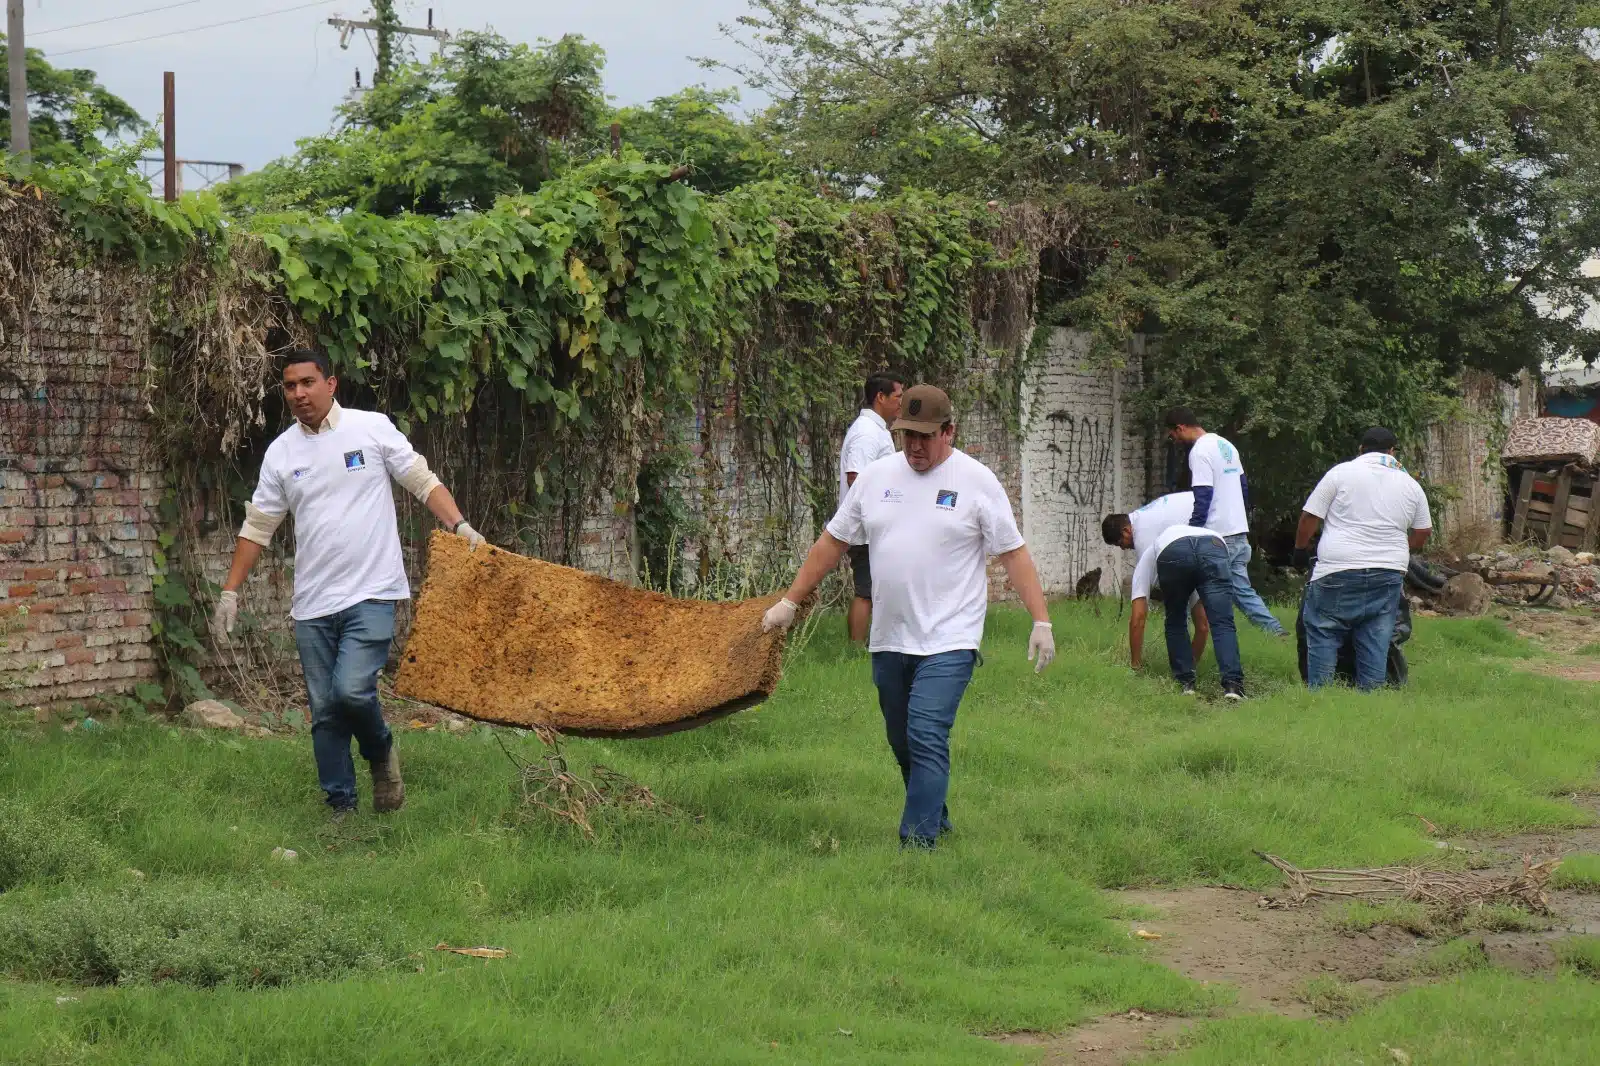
<point x="388" y="789"/>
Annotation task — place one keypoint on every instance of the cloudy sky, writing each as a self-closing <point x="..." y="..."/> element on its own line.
<point x="246" y="91"/>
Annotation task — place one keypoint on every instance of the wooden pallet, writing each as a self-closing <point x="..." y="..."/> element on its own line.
<point x="1543" y="492"/>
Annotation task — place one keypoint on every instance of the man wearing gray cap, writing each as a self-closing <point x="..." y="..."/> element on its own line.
<point x="1373" y="515"/>
<point x="931" y="517"/>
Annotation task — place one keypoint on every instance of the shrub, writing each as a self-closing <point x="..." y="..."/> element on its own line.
<point x="191" y="933"/>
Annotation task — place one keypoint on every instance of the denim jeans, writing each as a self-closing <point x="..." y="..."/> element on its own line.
<point x="341" y="655"/>
<point x="1191" y="565"/>
<point x="1360" y="604"/>
<point x="1248" y="600"/>
<point x="918" y="695"/>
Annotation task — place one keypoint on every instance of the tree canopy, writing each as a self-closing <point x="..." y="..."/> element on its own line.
<point x="1324" y="207"/>
<point x="484" y="118"/>
<point x="69" y="111"/>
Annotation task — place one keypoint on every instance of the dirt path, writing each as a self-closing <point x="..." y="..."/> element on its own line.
<point x="1273" y="958"/>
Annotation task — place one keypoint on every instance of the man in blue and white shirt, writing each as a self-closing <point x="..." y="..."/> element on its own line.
<point x="867" y="441"/>
<point x="331" y="470"/>
<point x="1221" y="504"/>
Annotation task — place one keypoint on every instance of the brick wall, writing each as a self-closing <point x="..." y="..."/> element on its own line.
<point x="1082" y="457"/>
<point x="744" y="518"/>
<point x="79" y="491"/>
<point x="1460" y="456"/>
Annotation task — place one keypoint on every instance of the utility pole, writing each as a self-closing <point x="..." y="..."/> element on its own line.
<point x="169" y="141"/>
<point x="17" y="62"/>
<point x="387" y="26"/>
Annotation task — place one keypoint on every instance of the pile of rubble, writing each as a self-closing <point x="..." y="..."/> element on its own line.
<point x="1575" y="575"/>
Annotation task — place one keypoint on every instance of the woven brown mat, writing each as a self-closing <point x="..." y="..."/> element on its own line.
<point x="517" y="641"/>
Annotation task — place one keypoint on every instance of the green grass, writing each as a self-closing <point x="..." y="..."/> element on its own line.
<point x="1592" y="648"/>
<point x="1331" y="996"/>
<point x="1581" y="954"/>
<point x="1578" y="872"/>
<point x="782" y="913"/>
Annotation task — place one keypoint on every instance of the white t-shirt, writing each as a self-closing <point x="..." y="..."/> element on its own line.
<point x="1368" y="507"/>
<point x="336" y="484"/>
<point x="930" y="538"/>
<point x="867" y="441"/>
<point x="1158" y="516"/>
<point x="1215" y="461"/>
<point x="1144" y="572"/>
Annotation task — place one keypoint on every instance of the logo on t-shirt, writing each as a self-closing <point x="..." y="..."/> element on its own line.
<point x="355" y="460"/>
<point x="300" y="474"/>
<point x="945" y="500"/>
<point x="1226" y="450"/>
<point x="892" y="496"/>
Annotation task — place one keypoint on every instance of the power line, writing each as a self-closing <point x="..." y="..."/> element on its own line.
<point x="115" y="18"/>
<point x="194" y="29"/>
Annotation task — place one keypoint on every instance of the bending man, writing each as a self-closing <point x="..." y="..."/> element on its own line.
<point x="931" y="516"/>
<point x="1376" y="515"/>
<point x="1188" y="562"/>
<point x="1137" y="532"/>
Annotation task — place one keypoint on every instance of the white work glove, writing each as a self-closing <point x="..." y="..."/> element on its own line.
<point x="225" y="615"/>
<point x="779" y="616"/>
<point x="474" y="538"/>
<point x="1041" y="646"/>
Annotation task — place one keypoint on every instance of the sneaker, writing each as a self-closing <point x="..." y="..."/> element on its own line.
<point x="1233" y="695"/>
<point x="388" y="789"/>
<point x="340" y="814"/>
<point x="1188" y="690"/>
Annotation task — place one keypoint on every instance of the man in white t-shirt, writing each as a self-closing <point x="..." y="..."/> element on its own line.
<point x="867" y="441"/>
<point x="931" y="517"/>
<point x="1221" y="504"/>
<point x="1373" y="515"/>
<point x="1138" y="531"/>
<point x="1188" y="563"/>
<point x="331" y="470"/>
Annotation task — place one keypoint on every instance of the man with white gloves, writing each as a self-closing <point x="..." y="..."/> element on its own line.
<point x="331" y="470"/>
<point x="931" y="516"/>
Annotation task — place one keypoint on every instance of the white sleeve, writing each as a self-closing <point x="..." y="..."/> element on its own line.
<point x="1144" y="575"/>
<point x="852" y="461"/>
<point x="846" y="524"/>
<point x="1202" y="464"/>
<point x="999" y="524"/>
<point x="1423" y="519"/>
<point x="1321" y="498"/>
<point x="398" y="455"/>
<point x="267" y="505"/>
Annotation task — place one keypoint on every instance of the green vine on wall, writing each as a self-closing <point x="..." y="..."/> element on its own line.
<point x="591" y="317"/>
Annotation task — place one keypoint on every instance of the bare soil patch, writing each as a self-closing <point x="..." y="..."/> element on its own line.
<point x="1564" y="633"/>
<point x="1302" y="961"/>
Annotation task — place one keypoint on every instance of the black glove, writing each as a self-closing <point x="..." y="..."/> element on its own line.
<point x="1301" y="559"/>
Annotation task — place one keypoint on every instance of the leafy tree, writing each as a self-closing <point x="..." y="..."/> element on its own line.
<point x="68" y="111"/>
<point x="1326" y="208"/>
<point x="693" y="126"/>
<point x="482" y="119"/>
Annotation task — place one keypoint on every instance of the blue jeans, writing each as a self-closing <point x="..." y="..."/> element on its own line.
<point x="1191" y="565"/>
<point x="1247" y="598"/>
<point x="341" y="655"/>
<point x="1362" y="605"/>
<point x="918" y="695"/>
